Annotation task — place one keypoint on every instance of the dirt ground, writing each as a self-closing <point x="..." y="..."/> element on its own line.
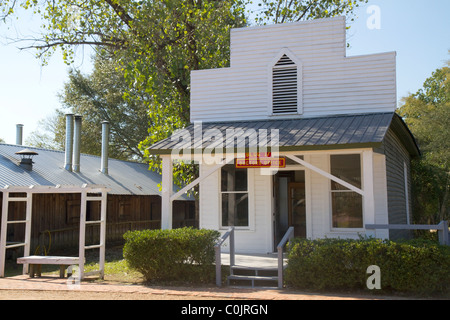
<point x="77" y="295"/>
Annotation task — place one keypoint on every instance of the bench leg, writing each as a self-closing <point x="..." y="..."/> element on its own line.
<point x="35" y="270"/>
<point x="32" y="266"/>
<point x="39" y="269"/>
<point x="62" y="271"/>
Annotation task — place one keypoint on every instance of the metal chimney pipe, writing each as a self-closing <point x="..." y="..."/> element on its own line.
<point x="69" y="142"/>
<point x="105" y="145"/>
<point x="19" y="134"/>
<point x="76" y="144"/>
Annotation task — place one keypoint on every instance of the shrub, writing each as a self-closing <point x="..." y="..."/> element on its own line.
<point x="184" y="254"/>
<point x="334" y="264"/>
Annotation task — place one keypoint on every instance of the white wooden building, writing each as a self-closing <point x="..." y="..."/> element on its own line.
<point x="340" y="156"/>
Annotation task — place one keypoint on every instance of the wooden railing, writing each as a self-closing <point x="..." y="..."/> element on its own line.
<point x="287" y="237"/>
<point x="217" y="247"/>
<point x="442" y="229"/>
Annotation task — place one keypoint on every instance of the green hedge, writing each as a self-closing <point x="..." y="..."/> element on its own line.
<point x="185" y="254"/>
<point x="419" y="267"/>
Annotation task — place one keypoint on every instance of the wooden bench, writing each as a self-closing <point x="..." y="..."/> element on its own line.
<point x="36" y="263"/>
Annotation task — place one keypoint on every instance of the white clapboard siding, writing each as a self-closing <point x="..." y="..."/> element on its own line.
<point x="209" y="199"/>
<point x="380" y="194"/>
<point x="311" y="38"/>
<point x="320" y="197"/>
<point x="329" y="82"/>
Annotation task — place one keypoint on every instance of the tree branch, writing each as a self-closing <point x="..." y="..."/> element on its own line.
<point x="123" y="15"/>
<point x="307" y="9"/>
<point x="118" y="44"/>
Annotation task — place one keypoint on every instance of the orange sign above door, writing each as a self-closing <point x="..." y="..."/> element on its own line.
<point x="260" y="160"/>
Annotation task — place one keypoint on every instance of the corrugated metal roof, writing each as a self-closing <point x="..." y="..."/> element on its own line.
<point x="127" y="178"/>
<point x="346" y="131"/>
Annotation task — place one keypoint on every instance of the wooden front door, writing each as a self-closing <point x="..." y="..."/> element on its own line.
<point x="289" y="204"/>
<point x="297" y="208"/>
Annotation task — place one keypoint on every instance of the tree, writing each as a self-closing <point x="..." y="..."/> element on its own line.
<point x="157" y="43"/>
<point x="97" y="97"/>
<point x="280" y="11"/>
<point x="427" y="113"/>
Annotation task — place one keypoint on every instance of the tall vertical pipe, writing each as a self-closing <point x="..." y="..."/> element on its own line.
<point x="105" y="144"/>
<point x="19" y="134"/>
<point x="69" y="142"/>
<point x="76" y="144"/>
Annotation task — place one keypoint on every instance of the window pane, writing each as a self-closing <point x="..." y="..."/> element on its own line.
<point x="348" y="168"/>
<point x="235" y="209"/>
<point x="234" y="179"/>
<point x="347" y="210"/>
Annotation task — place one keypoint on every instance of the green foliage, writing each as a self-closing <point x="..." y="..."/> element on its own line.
<point x="280" y="11"/>
<point x="97" y="97"/>
<point x="419" y="267"/>
<point x="427" y="114"/>
<point x="183" y="255"/>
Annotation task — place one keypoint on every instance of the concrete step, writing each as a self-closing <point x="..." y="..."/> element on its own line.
<point x="254" y="271"/>
<point x="253" y="277"/>
<point x="262" y="278"/>
<point x="252" y="281"/>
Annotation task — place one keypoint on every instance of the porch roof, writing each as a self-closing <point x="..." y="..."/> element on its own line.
<point x="322" y="133"/>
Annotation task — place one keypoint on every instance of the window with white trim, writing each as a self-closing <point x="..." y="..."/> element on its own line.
<point x="285" y="87"/>
<point x="347" y="206"/>
<point x="234" y="197"/>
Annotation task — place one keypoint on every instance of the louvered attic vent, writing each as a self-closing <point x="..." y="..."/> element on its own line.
<point x="284" y="86"/>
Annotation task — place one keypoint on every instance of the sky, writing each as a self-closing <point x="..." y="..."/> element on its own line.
<point x="419" y="31"/>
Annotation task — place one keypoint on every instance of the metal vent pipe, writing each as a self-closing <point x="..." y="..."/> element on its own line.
<point x="19" y="134"/>
<point x="69" y="142"/>
<point x="105" y="145"/>
<point x="76" y="144"/>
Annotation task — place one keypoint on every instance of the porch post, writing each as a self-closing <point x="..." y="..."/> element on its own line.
<point x="3" y="233"/>
<point x="167" y="185"/>
<point x="368" y="188"/>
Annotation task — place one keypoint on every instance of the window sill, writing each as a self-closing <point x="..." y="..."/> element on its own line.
<point x="237" y="228"/>
<point x="347" y="230"/>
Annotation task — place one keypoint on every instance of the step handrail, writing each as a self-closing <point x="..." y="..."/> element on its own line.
<point x="229" y="234"/>
<point x="287" y="237"/>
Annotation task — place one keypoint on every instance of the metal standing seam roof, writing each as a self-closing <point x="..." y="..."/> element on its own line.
<point x="124" y="178"/>
<point x="346" y="131"/>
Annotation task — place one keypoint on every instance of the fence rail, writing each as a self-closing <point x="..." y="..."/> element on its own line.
<point x="442" y="229"/>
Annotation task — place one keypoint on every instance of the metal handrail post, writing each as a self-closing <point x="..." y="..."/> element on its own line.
<point x="232" y="248"/>
<point x="288" y="236"/>
<point x="217" y="248"/>
<point x="443" y="233"/>
<point x="218" y="267"/>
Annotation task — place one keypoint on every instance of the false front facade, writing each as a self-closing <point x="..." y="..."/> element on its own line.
<point x="294" y="134"/>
